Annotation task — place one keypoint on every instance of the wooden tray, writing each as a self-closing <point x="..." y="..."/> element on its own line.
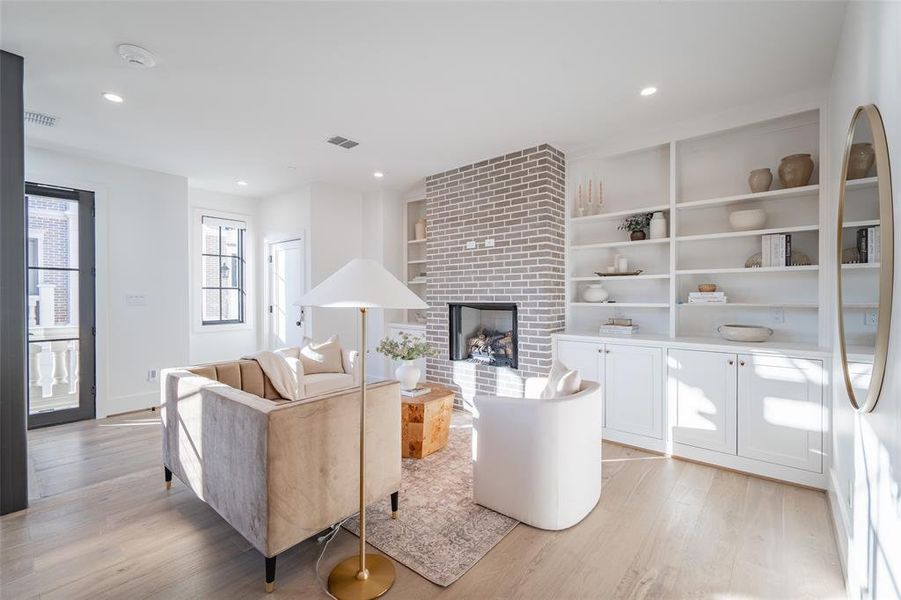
<point x="599" y="274"/>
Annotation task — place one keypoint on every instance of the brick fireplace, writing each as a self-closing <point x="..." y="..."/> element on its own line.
<point x="516" y="200"/>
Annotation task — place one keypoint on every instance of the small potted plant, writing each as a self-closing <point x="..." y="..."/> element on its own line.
<point x="636" y="225"/>
<point x="406" y="349"/>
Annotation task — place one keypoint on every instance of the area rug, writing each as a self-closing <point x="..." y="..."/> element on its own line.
<point x="439" y="533"/>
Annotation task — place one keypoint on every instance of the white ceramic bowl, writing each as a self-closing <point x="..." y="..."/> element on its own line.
<point x="744" y="220"/>
<point x="744" y="333"/>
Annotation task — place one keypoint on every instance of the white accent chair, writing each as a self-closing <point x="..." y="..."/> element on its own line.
<point x="538" y="460"/>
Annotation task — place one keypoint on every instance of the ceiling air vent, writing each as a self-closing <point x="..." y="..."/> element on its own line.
<point x="343" y="142"/>
<point x="40" y="118"/>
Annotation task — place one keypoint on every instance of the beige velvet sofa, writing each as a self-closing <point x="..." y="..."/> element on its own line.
<point x="277" y="471"/>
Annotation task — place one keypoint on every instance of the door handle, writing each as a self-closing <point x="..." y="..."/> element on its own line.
<point x="300" y="321"/>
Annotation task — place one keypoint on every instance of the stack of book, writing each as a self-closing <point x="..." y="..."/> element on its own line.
<point x="707" y="298"/>
<point x="618" y="327"/>
<point x="869" y="244"/>
<point x="776" y="250"/>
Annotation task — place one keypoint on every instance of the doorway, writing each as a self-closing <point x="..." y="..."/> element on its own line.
<point x="60" y="304"/>
<point x="287" y="283"/>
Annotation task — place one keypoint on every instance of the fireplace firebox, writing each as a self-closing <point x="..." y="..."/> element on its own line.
<point x="483" y="333"/>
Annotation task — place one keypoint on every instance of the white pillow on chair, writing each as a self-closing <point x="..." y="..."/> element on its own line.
<point x="561" y="381"/>
<point x="321" y="357"/>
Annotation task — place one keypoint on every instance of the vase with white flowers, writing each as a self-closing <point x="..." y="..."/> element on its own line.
<point x="406" y="349"/>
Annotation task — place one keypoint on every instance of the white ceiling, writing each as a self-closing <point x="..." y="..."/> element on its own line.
<point x="243" y="90"/>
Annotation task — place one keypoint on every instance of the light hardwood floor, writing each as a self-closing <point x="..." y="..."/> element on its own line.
<point x="101" y="525"/>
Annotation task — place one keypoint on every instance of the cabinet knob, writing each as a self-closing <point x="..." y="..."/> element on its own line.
<point x="607" y="351"/>
<point x="731" y="362"/>
<point x="742" y="363"/>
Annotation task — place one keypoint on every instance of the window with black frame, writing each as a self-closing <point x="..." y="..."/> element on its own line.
<point x="222" y="265"/>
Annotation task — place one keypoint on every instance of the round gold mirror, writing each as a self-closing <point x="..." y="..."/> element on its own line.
<point x="865" y="251"/>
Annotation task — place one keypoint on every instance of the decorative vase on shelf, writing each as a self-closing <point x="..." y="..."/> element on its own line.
<point x="420" y="229"/>
<point x="795" y="170"/>
<point x="658" y="226"/>
<point x="760" y="180"/>
<point x="407" y="374"/>
<point x="860" y="160"/>
<point x="637" y="235"/>
<point x="595" y="293"/>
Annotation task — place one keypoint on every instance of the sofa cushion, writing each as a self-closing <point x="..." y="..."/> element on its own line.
<point x="245" y="375"/>
<point x="321" y="383"/>
<point x="561" y="381"/>
<point x="321" y="357"/>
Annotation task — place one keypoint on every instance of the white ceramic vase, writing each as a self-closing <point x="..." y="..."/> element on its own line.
<point x="595" y="293"/>
<point x="658" y="226"/>
<point x="407" y="374"/>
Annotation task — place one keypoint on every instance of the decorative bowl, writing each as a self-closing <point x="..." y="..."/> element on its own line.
<point x="744" y="220"/>
<point x="595" y="293"/>
<point x="707" y="287"/>
<point x="744" y="333"/>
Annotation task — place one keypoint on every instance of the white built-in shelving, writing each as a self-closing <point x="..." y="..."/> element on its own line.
<point x="414" y="252"/>
<point x="697" y="182"/>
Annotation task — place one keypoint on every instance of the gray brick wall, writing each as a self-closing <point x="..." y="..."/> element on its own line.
<point x="517" y="200"/>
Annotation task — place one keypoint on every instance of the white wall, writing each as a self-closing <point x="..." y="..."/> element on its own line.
<point x="142" y="243"/>
<point x="212" y="343"/>
<point x="866" y="469"/>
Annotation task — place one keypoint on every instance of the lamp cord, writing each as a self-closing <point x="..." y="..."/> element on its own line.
<point x="327" y="538"/>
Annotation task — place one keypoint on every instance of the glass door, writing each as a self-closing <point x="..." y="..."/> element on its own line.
<point x="60" y="289"/>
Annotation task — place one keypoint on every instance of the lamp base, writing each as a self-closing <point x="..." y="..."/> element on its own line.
<point x="344" y="585"/>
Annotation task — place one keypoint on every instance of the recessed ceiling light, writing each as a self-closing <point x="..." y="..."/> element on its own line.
<point x="242" y="183"/>
<point x="378" y="174"/>
<point x="649" y="91"/>
<point x="116" y="98"/>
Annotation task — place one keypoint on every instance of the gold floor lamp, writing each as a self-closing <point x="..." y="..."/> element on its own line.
<point x="362" y="284"/>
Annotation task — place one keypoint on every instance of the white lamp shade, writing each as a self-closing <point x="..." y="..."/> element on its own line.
<point x="362" y="283"/>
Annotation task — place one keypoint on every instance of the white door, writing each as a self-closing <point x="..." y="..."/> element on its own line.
<point x="634" y="395"/>
<point x="780" y="410"/>
<point x="703" y="396"/>
<point x="287" y="325"/>
<point x="585" y="357"/>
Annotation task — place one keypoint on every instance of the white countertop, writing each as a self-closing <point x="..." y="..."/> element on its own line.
<point x="704" y="343"/>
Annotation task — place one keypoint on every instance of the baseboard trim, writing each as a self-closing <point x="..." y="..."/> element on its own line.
<point x="838" y="509"/>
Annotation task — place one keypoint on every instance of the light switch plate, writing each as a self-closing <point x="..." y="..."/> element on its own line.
<point x="869" y="318"/>
<point x="489" y="243"/>
<point x="470" y="245"/>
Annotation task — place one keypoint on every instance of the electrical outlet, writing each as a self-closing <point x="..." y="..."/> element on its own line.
<point x="151" y="375"/>
<point x="489" y="243"/>
<point x="471" y="245"/>
<point x="869" y="318"/>
<point x="777" y="315"/>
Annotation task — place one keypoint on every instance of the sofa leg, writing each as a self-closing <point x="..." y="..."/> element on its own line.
<point x="394" y="500"/>
<point x="270" y="573"/>
<point x="168" y="475"/>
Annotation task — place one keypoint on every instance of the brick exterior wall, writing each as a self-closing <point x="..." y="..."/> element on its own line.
<point x="517" y="200"/>
<point x="48" y="216"/>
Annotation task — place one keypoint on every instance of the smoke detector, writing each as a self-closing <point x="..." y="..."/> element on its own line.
<point x="39" y="118"/>
<point x="136" y="56"/>
<point x="343" y="142"/>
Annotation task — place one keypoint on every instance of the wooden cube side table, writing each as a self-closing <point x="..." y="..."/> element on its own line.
<point x="425" y="422"/>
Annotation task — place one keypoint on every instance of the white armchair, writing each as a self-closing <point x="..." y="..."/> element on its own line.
<point x="538" y="460"/>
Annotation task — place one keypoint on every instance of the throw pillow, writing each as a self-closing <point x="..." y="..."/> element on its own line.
<point x="561" y="381"/>
<point x="322" y="357"/>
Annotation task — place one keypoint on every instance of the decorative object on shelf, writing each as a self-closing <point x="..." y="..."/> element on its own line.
<point x="421" y="317"/>
<point x="636" y="225"/>
<point x="595" y="293"/>
<point x="622" y="264"/>
<point x="798" y="259"/>
<point x="850" y="256"/>
<point x="611" y="270"/>
<point x="658" y="226"/>
<point x="760" y="180"/>
<point x="746" y="220"/>
<point x="707" y="287"/>
<point x="592" y="207"/>
<point x="617" y="326"/>
<point x="861" y="157"/>
<point x="420" y="229"/>
<point x="795" y="170"/>
<point x="615" y="274"/>
<point x="744" y="333"/>
<point x="406" y="348"/>
<point x="707" y="297"/>
<point x="600" y="204"/>
<point x="581" y="211"/>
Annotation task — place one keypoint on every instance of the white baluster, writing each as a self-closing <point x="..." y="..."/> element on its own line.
<point x="60" y="369"/>
<point x="35" y="387"/>
<point x="73" y="367"/>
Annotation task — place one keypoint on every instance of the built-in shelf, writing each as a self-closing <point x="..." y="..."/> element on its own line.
<point x="643" y="276"/>
<point x="748" y="270"/>
<point x="619" y="244"/>
<point x="866" y="223"/>
<point x="855" y="266"/>
<point x="421" y="261"/>
<point x="422" y="241"/>
<point x="866" y="182"/>
<point x="619" y="213"/>
<point x="788" y="305"/>
<point x="622" y="304"/>
<point x="753" y="232"/>
<point x="786" y="194"/>
<point x="418" y="281"/>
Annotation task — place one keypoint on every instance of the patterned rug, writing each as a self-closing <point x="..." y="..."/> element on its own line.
<point x="439" y="532"/>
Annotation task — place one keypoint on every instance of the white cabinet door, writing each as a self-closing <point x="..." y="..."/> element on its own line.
<point x="780" y="410"/>
<point x="634" y="382"/>
<point x="395" y="331"/>
<point x="585" y="357"/>
<point x="703" y="396"/>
